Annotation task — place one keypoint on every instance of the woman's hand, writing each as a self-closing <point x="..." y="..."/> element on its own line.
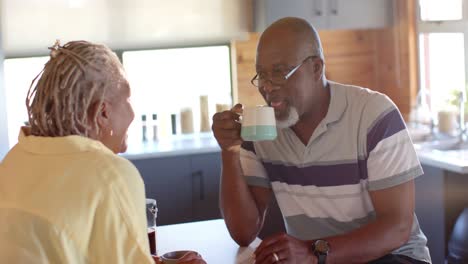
<point x="191" y="258"/>
<point x="157" y="259"/>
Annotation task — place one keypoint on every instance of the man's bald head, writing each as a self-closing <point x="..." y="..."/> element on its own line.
<point x="298" y="31"/>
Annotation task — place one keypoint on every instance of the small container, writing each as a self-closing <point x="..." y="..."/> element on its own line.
<point x="144" y="128"/>
<point x="155" y="127"/>
<point x="204" y="115"/>
<point x="174" y="124"/>
<point x="186" y="121"/>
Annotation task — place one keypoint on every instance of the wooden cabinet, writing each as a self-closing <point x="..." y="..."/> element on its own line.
<point x="383" y="59"/>
<point x="327" y="14"/>
<point x="185" y="187"/>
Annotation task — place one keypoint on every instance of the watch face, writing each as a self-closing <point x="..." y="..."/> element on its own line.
<point x="321" y="246"/>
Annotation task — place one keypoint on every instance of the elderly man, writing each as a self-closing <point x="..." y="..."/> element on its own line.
<point x="342" y="167"/>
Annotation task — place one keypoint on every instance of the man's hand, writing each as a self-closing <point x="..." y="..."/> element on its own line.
<point x="226" y="129"/>
<point x="283" y="248"/>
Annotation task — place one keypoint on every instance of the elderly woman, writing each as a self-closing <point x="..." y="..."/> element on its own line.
<point x="65" y="196"/>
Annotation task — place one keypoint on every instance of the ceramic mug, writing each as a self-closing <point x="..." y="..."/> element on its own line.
<point x="258" y="123"/>
<point x="173" y="256"/>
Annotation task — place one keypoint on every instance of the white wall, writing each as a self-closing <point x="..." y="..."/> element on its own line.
<point x="30" y="26"/>
<point x="3" y="120"/>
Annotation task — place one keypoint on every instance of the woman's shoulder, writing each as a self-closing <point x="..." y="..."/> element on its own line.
<point x="113" y="166"/>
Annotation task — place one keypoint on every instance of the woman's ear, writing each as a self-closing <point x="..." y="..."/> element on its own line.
<point x="102" y="115"/>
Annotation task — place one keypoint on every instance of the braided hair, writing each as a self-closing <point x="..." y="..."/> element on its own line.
<point x="72" y="85"/>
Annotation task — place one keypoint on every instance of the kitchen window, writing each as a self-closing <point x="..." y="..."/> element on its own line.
<point x="443" y="32"/>
<point x="166" y="82"/>
<point x="19" y="73"/>
<point x="171" y="83"/>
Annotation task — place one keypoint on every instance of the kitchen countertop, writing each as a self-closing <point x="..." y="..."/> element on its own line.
<point x="175" y="146"/>
<point x="453" y="160"/>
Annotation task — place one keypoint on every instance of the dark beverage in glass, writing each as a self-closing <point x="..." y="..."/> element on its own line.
<point x="152" y="240"/>
<point x="151" y="213"/>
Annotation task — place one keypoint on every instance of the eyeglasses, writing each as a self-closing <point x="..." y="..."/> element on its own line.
<point x="276" y="80"/>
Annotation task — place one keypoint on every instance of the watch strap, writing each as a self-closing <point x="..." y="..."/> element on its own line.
<point x="322" y="258"/>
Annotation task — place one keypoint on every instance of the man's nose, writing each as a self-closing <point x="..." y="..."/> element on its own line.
<point x="268" y="87"/>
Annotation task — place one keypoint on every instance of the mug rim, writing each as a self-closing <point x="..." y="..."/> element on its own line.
<point x="163" y="256"/>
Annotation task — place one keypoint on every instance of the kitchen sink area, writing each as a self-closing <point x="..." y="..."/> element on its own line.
<point x="450" y="144"/>
<point x="443" y="151"/>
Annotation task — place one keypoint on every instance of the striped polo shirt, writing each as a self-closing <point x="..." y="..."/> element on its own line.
<point x="322" y="188"/>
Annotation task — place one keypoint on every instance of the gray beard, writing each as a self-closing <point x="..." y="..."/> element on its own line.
<point x="291" y="119"/>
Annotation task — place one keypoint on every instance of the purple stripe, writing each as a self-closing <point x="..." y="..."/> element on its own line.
<point x="248" y="145"/>
<point x="387" y="126"/>
<point x="321" y="176"/>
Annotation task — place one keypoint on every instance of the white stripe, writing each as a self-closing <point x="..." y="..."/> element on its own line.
<point x="292" y="201"/>
<point x="391" y="156"/>
<point x="250" y="164"/>
<point x="328" y="191"/>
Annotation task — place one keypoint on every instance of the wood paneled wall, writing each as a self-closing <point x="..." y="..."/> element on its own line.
<point x="384" y="60"/>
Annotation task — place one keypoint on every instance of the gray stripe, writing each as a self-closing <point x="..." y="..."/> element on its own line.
<point x="329" y="162"/>
<point x="383" y="114"/>
<point x="322" y="195"/>
<point x="258" y="181"/>
<point x="306" y="228"/>
<point x="396" y="179"/>
<point x="313" y="163"/>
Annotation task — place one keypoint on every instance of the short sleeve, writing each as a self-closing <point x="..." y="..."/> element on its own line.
<point x="120" y="232"/>
<point x="252" y="167"/>
<point x="391" y="157"/>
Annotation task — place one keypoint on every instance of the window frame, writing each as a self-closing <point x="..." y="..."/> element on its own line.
<point x="447" y="26"/>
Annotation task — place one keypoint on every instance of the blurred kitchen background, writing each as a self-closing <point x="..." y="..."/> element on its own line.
<point x="186" y="59"/>
<point x="177" y="51"/>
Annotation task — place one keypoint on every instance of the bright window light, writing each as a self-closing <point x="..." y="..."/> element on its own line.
<point x="438" y="10"/>
<point x="19" y="74"/>
<point x="442" y="66"/>
<point x="166" y="81"/>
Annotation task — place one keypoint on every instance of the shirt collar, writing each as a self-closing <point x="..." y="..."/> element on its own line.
<point x="338" y="103"/>
<point x="58" y="145"/>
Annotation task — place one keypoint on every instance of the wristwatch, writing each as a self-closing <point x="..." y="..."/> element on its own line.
<point x="321" y="249"/>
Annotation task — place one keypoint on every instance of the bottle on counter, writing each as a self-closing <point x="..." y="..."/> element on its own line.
<point x="174" y="124"/>
<point x="155" y="127"/>
<point x="186" y="121"/>
<point x="144" y="128"/>
<point x="204" y="115"/>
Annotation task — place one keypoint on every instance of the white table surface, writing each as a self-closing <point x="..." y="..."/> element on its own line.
<point x="209" y="238"/>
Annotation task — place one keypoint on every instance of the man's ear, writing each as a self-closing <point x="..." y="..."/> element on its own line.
<point x="318" y="69"/>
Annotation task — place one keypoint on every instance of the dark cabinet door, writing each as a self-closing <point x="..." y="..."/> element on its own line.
<point x="168" y="180"/>
<point x="206" y="172"/>
<point x="429" y="197"/>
